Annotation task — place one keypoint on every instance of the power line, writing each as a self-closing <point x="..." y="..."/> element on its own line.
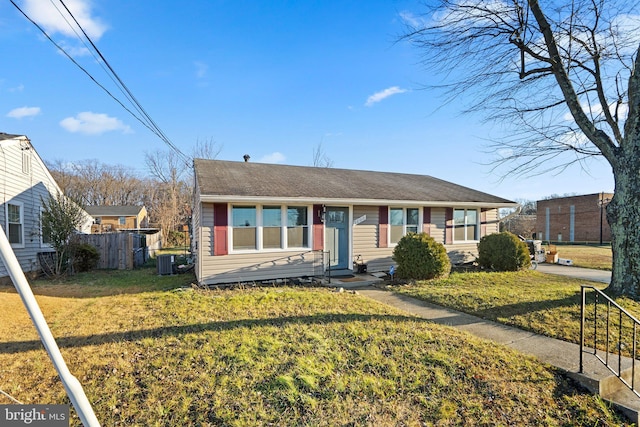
<point x="144" y="118"/>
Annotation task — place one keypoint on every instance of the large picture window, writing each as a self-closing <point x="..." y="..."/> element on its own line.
<point x="465" y="225"/>
<point x="402" y="221"/>
<point x="270" y="227"/>
<point x="15" y="224"/>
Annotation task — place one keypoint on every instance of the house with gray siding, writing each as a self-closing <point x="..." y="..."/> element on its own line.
<point x="256" y="222"/>
<point x="24" y="182"/>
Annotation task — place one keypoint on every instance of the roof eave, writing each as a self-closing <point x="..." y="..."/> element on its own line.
<point x="344" y="202"/>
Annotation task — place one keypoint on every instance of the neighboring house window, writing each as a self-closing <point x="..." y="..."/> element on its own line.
<point x="402" y="221"/>
<point x="244" y="227"/>
<point x="271" y="227"/>
<point x="122" y="220"/>
<point x="465" y="225"/>
<point x="297" y="227"/>
<point x="15" y="223"/>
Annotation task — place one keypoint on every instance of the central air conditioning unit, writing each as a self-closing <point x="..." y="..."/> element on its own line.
<point x="164" y="264"/>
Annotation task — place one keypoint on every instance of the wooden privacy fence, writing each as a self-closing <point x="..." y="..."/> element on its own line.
<point x="122" y="251"/>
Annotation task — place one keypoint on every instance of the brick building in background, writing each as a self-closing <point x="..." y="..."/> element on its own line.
<point x="574" y="219"/>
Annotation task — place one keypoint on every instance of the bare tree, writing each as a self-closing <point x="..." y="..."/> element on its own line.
<point x="94" y="183"/>
<point x="563" y="81"/>
<point x="206" y="149"/>
<point x="320" y="158"/>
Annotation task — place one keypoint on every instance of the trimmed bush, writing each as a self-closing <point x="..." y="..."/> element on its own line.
<point x="503" y="252"/>
<point x="85" y="257"/>
<point x="420" y="257"/>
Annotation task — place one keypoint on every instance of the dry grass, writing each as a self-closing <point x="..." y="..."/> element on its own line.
<point x="598" y="257"/>
<point x="151" y="356"/>
<point x="530" y="300"/>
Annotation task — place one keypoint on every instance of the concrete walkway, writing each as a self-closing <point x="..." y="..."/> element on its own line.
<point x="561" y="354"/>
<point x="577" y="272"/>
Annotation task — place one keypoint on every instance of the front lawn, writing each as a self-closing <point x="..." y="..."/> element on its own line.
<point x="542" y="303"/>
<point x="150" y="355"/>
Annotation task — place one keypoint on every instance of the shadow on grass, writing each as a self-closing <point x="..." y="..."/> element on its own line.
<point x="13" y="347"/>
<point x="523" y="308"/>
<point x="101" y="283"/>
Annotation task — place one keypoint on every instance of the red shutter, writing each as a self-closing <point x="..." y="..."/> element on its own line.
<point x="483" y="223"/>
<point x="383" y="226"/>
<point x="318" y="228"/>
<point x="448" y="229"/>
<point x="220" y="229"/>
<point x="426" y="220"/>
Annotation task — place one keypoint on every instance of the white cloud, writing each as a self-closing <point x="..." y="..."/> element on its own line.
<point x="412" y="20"/>
<point x="379" y="96"/>
<point x="18" y="88"/>
<point x="54" y="17"/>
<point x="19" y="113"/>
<point x="201" y="69"/>
<point x="276" y="157"/>
<point x="93" y="124"/>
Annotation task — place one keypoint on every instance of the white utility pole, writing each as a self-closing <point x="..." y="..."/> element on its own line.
<point x="71" y="383"/>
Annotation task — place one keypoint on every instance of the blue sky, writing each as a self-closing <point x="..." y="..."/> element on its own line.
<point x="272" y="79"/>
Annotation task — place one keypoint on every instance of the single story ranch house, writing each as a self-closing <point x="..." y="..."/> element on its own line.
<point x="256" y="222"/>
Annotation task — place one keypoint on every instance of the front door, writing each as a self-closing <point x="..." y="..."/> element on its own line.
<point x="336" y="237"/>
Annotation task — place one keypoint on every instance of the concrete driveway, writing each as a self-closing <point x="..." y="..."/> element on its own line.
<point x="577" y="272"/>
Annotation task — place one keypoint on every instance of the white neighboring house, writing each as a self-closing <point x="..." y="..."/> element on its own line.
<point x="24" y="182"/>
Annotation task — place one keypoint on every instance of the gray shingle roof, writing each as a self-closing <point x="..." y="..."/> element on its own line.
<point x="113" y="210"/>
<point x="4" y="136"/>
<point x="248" y="179"/>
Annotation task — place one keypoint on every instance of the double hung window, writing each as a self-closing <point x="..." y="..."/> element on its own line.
<point x="402" y="221"/>
<point x="465" y="225"/>
<point x="15" y="224"/>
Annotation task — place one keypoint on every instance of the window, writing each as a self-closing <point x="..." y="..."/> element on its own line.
<point x="15" y="224"/>
<point x="465" y="225"/>
<point x="244" y="227"/>
<point x="266" y="227"/>
<point x="297" y="227"/>
<point x="412" y="220"/>
<point x="271" y="227"/>
<point x="122" y="220"/>
<point x="403" y="221"/>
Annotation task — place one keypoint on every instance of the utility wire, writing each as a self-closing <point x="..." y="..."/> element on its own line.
<point x="122" y="85"/>
<point x="146" y="119"/>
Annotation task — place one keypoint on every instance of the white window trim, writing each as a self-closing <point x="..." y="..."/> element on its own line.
<point x="404" y="221"/>
<point x="259" y="229"/>
<point x="6" y="212"/>
<point x="477" y="236"/>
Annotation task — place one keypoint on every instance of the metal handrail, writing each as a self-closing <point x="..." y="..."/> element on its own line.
<point x="610" y="303"/>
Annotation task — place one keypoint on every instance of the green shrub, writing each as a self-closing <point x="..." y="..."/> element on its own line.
<point x="85" y="257"/>
<point x="420" y="257"/>
<point x="503" y="252"/>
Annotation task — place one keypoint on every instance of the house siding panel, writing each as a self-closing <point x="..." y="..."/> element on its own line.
<point x="438" y="224"/>
<point x="249" y="267"/>
<point x="366" y="237"/>
<point x="26" y="188"/>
